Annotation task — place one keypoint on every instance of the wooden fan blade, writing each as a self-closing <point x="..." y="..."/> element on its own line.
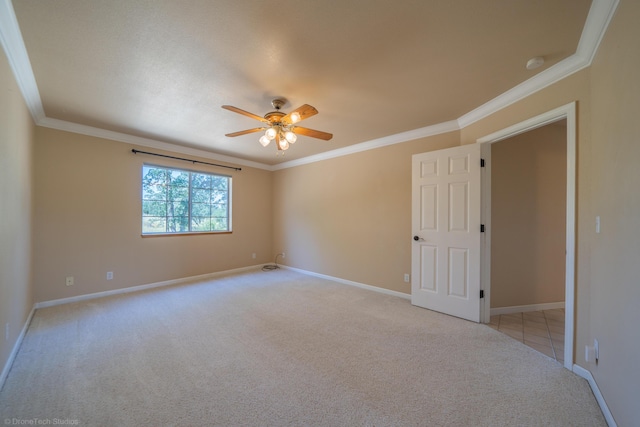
<point x="244" y="132"/>
<point x="303" y="112"/>
<point x="244" y="113"/>
<point x="313" y="133"/>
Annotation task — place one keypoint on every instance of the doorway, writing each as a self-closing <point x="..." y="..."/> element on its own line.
<point x="528" y="201"/>
<point x="566" y="114"/>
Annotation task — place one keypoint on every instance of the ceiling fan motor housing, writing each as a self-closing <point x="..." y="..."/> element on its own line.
<point x="278" y="103"/>
<point x="274" y="116"/>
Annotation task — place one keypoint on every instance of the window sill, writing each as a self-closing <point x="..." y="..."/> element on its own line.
<point x="197" y="233"/>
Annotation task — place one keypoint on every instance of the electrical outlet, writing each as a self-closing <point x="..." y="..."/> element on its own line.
<point x="596" y="350"/>
<point x="109" y="275"/>
<point x="253" y="255"/>
<point x="69" y="280"/>
<point x="407" y="278"/>
<point x="283" y="256"/>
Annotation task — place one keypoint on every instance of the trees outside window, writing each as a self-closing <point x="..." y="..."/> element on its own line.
<point x="182" y="201"/>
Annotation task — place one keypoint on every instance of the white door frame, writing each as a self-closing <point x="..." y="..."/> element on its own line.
<point x="567" y="112"/>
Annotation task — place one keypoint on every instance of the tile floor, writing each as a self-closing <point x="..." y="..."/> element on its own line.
<point x="541" y="330"/>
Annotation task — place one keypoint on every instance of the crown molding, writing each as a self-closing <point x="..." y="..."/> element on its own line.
<point x="397" y="138"/>
<point x="600" y="15"/>
<point x="540" y="81"/>
<point x="144" y="142"/>
<point x="13" y="45"/>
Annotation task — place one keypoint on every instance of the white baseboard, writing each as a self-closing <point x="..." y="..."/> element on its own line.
<point x="143" y="287"/>
<point x="584" y="373"/>
<point x="16" y="347"/>
<point x="350" y="283"/>
<point x="524" y="308"/>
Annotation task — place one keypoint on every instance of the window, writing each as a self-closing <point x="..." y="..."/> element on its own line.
<point x="182" y="201"/>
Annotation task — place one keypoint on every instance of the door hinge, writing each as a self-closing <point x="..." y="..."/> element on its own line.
<point x="481" y="163"/>
<point x="482" y="228"/>
<point x="481" y="293"/>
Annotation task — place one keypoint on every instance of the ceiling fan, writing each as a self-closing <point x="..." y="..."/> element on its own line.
<point x="280" y="126"/>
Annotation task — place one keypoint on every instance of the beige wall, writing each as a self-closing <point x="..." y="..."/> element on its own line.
<point x="16" y="141"/>
<point x="87" y="220"/>
<point x="350" y="217"/>
<point x="614" y="192"/>
<point x="528" y="216"/>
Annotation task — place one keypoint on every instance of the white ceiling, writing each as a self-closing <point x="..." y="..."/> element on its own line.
<point x="161" y="69"/>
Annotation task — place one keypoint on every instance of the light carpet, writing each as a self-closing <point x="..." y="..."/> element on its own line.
<point x="281" y="348"/>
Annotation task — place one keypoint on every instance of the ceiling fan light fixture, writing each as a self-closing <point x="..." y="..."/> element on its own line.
<point x="284" y="144"/>
<point x="270" y="133"/>
<point x="290" y="137"/>
<point x="264" y="140"/>
<point x="295" y="117"/>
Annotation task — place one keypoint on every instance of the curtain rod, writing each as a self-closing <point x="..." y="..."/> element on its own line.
<point x="134" y="151"/>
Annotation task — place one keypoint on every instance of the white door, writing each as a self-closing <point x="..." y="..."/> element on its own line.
<point x="445" y="217"/>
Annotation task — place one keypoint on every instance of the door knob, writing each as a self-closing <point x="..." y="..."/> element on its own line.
<point x="416" y="238"/>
